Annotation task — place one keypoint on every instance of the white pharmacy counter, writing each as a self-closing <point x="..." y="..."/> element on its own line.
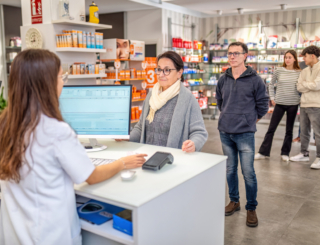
<point x="183" y="203"/>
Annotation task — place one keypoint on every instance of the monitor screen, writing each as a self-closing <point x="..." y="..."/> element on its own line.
<point x="97" y="111"/>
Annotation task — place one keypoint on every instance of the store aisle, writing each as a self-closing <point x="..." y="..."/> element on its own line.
<point x="288" y="196"/>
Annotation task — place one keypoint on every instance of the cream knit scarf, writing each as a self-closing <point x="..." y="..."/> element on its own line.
<point x="159" y="99"/>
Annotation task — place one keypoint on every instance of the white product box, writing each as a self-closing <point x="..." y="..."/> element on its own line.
<point x="137" y="50"/>
<point x="273" y="58"/>
<point x="284" y="45"/>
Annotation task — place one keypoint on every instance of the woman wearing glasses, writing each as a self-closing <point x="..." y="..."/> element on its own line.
<point x="171" y="115"/>
<point x="41" y="157"/>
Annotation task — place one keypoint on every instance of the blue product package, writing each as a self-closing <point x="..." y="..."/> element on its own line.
<point x="122" y="225"/>
<point x="93" y="43"/>
<point x="97" y="212"/>
<point x="88" y="40"/>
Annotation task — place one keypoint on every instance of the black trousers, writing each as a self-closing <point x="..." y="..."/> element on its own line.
<point x="277" y="115"/>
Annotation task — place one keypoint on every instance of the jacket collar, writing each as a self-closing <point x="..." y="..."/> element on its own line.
<point x="248" y="72"/>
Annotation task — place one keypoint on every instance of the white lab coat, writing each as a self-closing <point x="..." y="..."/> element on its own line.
<point x="41" y="208"/>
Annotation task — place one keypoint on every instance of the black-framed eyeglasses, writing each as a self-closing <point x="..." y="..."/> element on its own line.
<point x="166" y="71"/>
<point x="235" y="54"/>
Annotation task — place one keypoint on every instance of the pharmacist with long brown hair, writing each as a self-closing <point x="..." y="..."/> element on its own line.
<point x="41" y="157"/>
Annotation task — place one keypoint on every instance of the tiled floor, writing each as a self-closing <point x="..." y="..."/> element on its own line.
<point x="288" y="196"/>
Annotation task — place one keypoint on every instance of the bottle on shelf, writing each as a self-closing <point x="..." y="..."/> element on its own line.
<point x="93" y="13"/>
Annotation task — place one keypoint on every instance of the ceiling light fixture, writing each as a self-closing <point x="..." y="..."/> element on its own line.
<point x="240" y="10"/>
<point x="219" y="12"/>
<point x="283" y="6"/>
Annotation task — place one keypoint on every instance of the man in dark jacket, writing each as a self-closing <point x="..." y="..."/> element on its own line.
<point x="243" y="100"/>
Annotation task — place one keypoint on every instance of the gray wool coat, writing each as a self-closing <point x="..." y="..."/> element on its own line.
<point x="187" y="122"/>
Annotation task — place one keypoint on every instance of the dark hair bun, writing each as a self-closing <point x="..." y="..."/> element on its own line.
<point x="182" y="78"/>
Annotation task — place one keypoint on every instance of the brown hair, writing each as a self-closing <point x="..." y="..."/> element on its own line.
<point x="311" y="50"/>
<point x="33" y="84"/>
<point x="296" y="63"/>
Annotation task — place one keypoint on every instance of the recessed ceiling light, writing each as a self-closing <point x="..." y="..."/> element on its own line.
<point x="283" y="6"/>
<point x="240" y="10"/>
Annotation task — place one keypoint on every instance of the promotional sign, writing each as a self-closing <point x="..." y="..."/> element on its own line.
<point x="203" y="103"/>
<point x="151" y="74"/>
<point x="36" y="11"/>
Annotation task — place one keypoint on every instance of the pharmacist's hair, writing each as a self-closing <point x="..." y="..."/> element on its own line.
<point x="175" y="58"/>
<point x="32" y="92"/>
<point x="296" y="63"/>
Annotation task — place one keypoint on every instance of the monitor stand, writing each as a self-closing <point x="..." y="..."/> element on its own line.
<point x="94" y="146"/>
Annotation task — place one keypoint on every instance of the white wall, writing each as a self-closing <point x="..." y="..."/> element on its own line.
<point x="145" y="25"/>
<point x="177" y="30"/>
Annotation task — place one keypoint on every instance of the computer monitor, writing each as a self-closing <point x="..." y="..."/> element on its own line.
<point x="101" y="111"/>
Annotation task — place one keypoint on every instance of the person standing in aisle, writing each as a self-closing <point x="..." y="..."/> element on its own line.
<point x="41" y="157"/>
<point x="286" y="100"/>
<point x="309" y="86"/>
<point x="243" y="100"/>
<point x="302" y="66"/>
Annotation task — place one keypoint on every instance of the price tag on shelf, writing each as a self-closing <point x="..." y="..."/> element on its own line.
<point x="117" y="64"/>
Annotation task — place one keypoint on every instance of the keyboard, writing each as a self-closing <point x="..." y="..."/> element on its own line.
<point x="100" y="161"/>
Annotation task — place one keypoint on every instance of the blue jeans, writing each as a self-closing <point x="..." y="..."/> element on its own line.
<point x="244" y="146"/>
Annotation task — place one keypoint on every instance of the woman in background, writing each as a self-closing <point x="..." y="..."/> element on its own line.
<point x="286" y="100"/>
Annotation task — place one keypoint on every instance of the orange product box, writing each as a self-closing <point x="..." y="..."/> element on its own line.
<point x="96" y="70"/>
<point x="143" y="93"/>
<point x="127" y="73"/>
<point x="135" y="96"/>
<point x="133" y="113"/>
<point x="143" y="74"/>
<point x="138" y="74"/>
<point x="122" y="74"/>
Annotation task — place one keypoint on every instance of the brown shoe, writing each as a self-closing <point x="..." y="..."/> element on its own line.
<point x="296" y="140"/>
<point x="231" y="208"/>
<point x="252" y="219"/>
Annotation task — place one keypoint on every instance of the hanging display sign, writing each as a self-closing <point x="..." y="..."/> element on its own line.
<point x="151" y="64"/>
<point x="36" y="12"/>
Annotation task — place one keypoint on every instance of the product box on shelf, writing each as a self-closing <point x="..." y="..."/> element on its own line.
<point x="273" y="58"/>
<point x="123" y="222"/>
<point x="262" y="58"/>
<point x="123" y="49"/>
<point x="284" y="45"/>
<point x="262" y="41"/>
<point x="116" y="49"/>
<point x="272" y="42"/>
<point x="137" y="50"/>
<point x="79" y="39"/>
